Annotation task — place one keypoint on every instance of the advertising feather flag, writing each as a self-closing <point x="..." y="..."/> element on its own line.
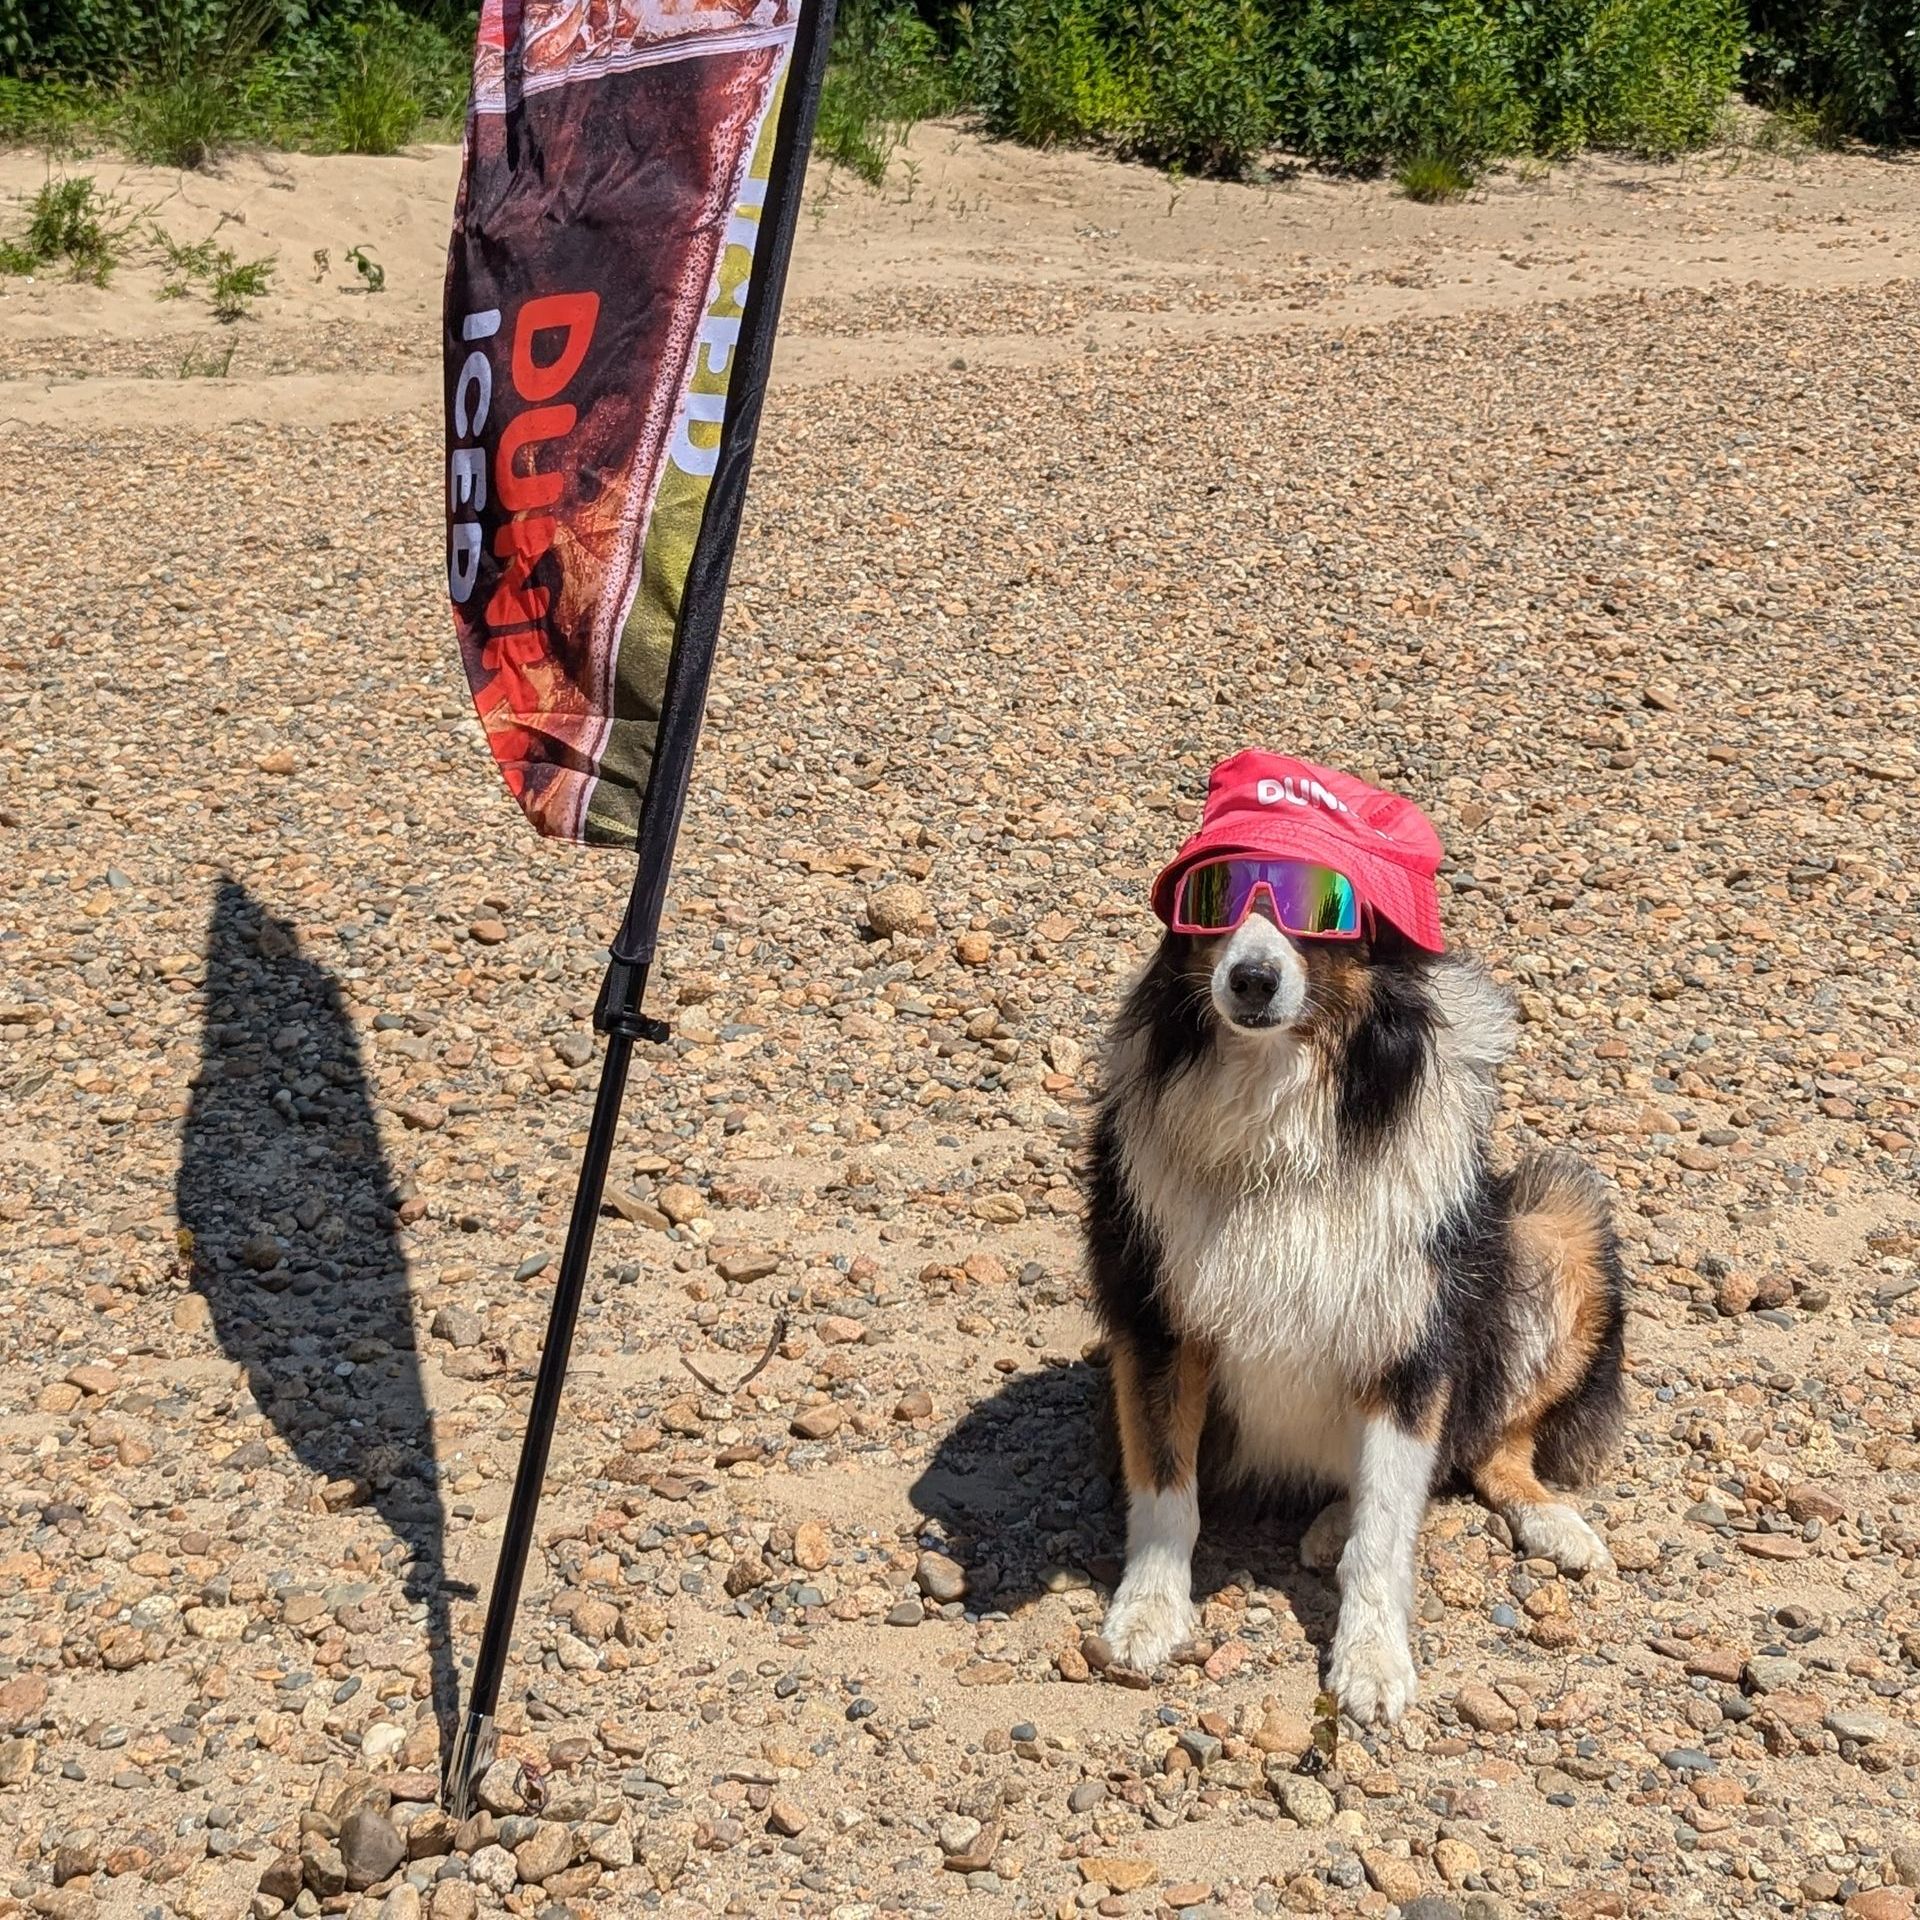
<point x="616" y="184"/>
<point x="627" y="203"/>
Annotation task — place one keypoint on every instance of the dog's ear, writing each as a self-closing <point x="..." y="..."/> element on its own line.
<point x="1387" y="1052"/>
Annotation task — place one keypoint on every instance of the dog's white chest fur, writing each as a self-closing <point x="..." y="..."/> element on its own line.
<point x="1305" y="1265"/>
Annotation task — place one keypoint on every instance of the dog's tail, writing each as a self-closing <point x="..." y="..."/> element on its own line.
<point x="1563" y="1229"/>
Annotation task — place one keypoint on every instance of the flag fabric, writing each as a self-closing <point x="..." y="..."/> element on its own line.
<point x="631" y="176"/>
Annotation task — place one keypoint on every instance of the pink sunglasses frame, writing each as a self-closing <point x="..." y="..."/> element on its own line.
<point x="1362" y="913"/>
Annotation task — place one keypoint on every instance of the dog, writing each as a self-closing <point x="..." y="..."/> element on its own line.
<point x="1297" y="1244"/>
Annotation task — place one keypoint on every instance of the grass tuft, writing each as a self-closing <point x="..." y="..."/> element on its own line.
<point x="377" y="108"/>
<point x="1433" y="178"/>
<point x="179" y="120"/>
<point x="208" y="365"/>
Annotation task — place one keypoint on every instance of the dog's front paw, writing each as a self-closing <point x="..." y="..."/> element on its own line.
<point x="1371" y="1675"/>
<point x="1558" y="1534"/>
<point x="1147" y="1620"/>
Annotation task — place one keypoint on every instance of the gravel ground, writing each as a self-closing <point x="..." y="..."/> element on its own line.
<point x="296" y="1070"/>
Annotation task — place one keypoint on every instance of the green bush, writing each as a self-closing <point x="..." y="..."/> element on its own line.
<point x="1364" y="83"/>
<point x="888" y="71"/>
<point x="1207" y="84"/>
<point x="1853" y="65"/>
<point x="179" y="119"/>
<point x="46" y="113"/>
<point x="1430" y="89"/>
<point x="377" y="107"/>
<point x="1044" y="71"/>
<point x="173" y="81"/>
<point x="1651" y="76"/>
<point x="1208" y="98"/>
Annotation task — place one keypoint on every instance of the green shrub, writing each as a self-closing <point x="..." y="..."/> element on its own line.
<point x="181" y="120"/>
<point x="377" y="108"/>
<point x="174" y="81"/>
<point x="1853" y="65"/>
<point x="1207" y="102"/>
<point x="187" y="96"/>
<point x="45" y="113"/>
<point x="99" y="40"/>
<point x="1368" y="82"/>
<point x="888" y="71"/>
<point x="1207" y="84"/>
<point x="1045" y="71"/>
<point x="368" y="81"/>
<point x="1651" y="76"/>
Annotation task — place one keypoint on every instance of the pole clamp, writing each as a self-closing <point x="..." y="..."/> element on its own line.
<point x="618" y="1008"/>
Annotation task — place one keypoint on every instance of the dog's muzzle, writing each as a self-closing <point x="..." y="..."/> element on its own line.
<point x="1259" y="981"/>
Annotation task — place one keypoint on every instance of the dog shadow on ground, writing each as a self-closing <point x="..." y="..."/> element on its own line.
<point x="1029" y="1482"/>
<point x="290" y="1202"/>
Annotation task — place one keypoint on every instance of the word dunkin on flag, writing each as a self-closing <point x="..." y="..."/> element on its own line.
<point x="618" y="156"/>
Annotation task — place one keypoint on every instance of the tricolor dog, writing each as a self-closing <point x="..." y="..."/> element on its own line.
<point x="1298" y="1245"/>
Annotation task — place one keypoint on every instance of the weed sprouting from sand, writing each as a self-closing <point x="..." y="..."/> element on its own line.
<point x="185" y="262"/>
<point x="237" y="284"/>
<point x="208" y="365"/>
<point x="231" y="284"/>
<point x="371" y="272"/>
<point x="70" y="219"/>
<point x="1433" y="178"/>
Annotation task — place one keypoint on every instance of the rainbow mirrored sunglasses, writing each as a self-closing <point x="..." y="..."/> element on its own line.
<point x="1312" y="902"/>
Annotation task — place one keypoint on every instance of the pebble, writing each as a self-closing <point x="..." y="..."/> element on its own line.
<point x="458" y="1326"/>
<point x="1118" y="1873"/>
<point x="547" y="1852"/>
<point x="899" y="909"/>
<point x="1480" y="1707"/>
<point x="370" y="1847"/>
<point x="494" y="1868"/>
<point x="940" y="1577"/>
<point x="1307" y="1801"/>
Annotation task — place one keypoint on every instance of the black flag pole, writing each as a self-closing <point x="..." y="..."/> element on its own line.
<point x="618" y="1013"/>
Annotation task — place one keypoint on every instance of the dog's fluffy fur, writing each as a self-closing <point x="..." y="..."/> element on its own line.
<point x="1298" y="1244"/>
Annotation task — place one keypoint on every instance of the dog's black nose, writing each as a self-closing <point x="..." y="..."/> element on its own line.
<point x="1252" y="982"/>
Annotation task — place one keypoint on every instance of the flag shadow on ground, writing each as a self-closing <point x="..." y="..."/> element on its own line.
<point x="1027" y="1492"/>
<point x="290" y="1202"/>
